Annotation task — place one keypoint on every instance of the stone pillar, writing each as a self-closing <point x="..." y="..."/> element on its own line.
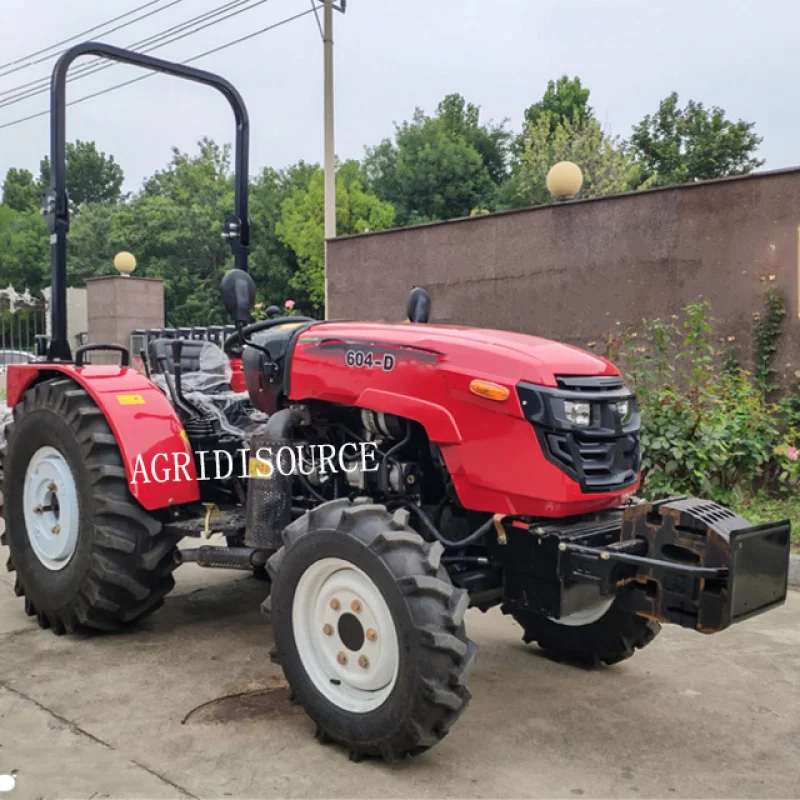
<point x="117" y="305"/>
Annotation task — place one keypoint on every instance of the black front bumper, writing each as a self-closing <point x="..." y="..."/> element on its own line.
<point x="684" y="561"/>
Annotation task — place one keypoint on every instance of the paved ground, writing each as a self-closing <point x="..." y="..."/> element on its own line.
<point x="189" y="705"/>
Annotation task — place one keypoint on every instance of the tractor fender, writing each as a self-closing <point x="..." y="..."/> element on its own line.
<point x="437" y="420"/>
<point x="144" y="423"/>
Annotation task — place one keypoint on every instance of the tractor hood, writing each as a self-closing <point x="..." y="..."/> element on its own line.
<point x="491" y="354"/>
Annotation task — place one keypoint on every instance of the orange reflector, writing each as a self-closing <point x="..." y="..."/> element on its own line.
<point x="489" y="390"/>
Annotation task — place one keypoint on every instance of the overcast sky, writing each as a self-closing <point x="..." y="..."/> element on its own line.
<point x="393" y="55"/>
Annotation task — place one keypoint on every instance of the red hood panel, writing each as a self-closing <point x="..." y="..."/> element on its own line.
<point x="502" y="355"/>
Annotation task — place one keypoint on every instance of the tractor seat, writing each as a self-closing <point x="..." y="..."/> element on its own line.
<point x="204" y="367"/>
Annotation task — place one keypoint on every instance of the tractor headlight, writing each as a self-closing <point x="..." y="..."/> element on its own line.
<point x="624" y="410"/>
<point x="578" y="413"/>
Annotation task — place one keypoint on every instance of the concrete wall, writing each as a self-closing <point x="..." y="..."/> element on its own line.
<point x="571" y="272"/>
<point x="77" y="314"/>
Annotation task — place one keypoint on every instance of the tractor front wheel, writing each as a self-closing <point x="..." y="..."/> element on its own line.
<point x="86" y="554"/>
<point x="369" y="630"/>
<point x="604" y="633"/>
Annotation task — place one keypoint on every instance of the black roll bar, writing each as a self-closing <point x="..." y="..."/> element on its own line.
<point x="56" y="203"/>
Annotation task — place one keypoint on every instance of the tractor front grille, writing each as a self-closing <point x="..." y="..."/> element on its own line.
<point x="604" y="456"/>
<point x="601" y="466"/>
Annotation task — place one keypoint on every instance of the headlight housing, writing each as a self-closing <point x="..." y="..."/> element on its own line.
<point x="578" y="413"/>
<point x="623" y="410"/>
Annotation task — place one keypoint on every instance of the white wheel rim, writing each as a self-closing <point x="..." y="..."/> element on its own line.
<point x="333" y="600"/>
<point x="51" y="510"/>
<point x="586" y="616"/>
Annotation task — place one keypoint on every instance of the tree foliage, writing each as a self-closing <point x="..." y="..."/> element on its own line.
<point x="20" y="190"/>
<point x="440" y="167"/>
<point x="24" y="249"/>
<point x="435" y="167"/>
<point x="302" y="224"/>
<point x="607" y="163"/>
<point x="680" y="145"/>
<point x="564" y="101"/>
<point x="174" y="226"/>
<point x="92" y="177"/>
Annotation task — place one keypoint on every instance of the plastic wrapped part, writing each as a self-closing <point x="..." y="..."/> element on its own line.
<point x="233" y="410"/>
<point x="204" y="366"/>
<point x="213" y="361"/>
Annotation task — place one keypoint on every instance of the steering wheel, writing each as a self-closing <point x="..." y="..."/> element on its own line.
<point x="234" y="342"/>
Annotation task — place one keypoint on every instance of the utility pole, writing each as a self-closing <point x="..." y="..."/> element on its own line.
<point x="330" y="151"/>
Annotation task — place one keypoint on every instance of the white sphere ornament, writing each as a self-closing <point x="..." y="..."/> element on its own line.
<point x="125" y="263"/>
<point x="564" y="180"/>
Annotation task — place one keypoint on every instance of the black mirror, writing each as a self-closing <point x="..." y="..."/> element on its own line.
<point x="238" y="295"/>
<point x="419" y="305"/>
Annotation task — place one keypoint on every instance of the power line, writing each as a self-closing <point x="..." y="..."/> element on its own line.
<point x="104" y="33"/>
<point x="151" y="74"/>
<point x="42" y="85"/>
<point x="77" y="35"/>
<point x="44" y="81"/>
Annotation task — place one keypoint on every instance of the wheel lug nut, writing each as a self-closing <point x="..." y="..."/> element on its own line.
<point x="356" y="606"/>
<point x="372" y="635"/>
<point x="363" y="662"/>
<point x="342" y="658"/>
<point x="335" y="604"/>
<point x="56" y="529"/>
<point x="51" y="487"/>
<point x="327" y="629"/>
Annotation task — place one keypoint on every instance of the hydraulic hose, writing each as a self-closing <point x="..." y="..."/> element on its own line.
<point x="434" y="531"/>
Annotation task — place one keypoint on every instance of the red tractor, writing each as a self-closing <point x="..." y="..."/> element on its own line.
<point x="455" y="467"/>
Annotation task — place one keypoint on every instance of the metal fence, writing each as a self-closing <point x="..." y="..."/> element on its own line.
<point x="22" y="319"/>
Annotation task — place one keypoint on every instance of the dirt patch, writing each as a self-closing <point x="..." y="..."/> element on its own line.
<point x="266" y="698"/>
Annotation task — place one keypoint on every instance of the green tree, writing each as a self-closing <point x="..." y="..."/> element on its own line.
<point x="92" y="243"/>
<point x="564" y="100"/>
<point x="273" y="263"/>
<point x="173" y="226"/>
<point x="92" y="177"/>
<point x="679" y="145"/>
<point x="492" y="141"/>
<point x="439" y="167"/>
<point x="302" y="223"/>
<point x="20" y="190"/>
<point x="24" y="250"/>
<point x="607" y="163"/>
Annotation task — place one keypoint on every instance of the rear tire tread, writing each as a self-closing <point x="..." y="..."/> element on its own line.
<point x="131" y="563"/>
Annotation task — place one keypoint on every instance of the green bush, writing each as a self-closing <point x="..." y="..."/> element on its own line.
<point x="708" y="426"/>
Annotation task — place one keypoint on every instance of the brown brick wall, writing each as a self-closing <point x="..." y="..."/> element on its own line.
<point x="570" y="272"/>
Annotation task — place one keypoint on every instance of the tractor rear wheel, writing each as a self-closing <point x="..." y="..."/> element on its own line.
<point x="86" y="554"/>
<point x="605" y="633"/>
<point x="369" y="630"/>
